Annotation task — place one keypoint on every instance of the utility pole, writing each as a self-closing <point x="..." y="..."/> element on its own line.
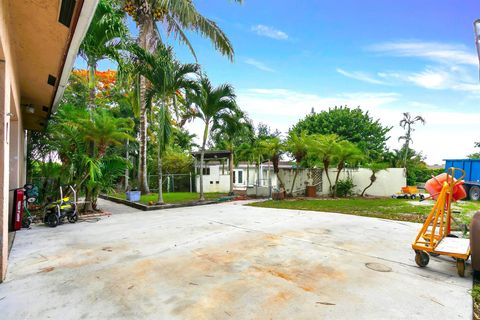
<point x="476" y="28"/>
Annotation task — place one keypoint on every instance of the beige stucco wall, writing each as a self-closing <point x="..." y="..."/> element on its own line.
<point x="11" y="133"/>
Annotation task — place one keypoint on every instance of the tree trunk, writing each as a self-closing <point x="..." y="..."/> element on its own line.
<point x="143" y="183"/>
<point x="147" y="40"/>
<point x="88" y="206"/>
<point x="326" y="165"/>
<point x="91" y="87"/>
<point x="294" y="179"/>
<point x="230" y="168"/>
<point x="339" y="170"/>
<point x="127" y="173"/>
<point x="373" y="178"/>
<point x="248" y="173"/>
<point x="160" y="177"/>
<point x="202" y="154"/>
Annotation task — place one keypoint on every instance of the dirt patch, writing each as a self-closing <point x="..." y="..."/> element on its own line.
<point x="46" y="270"/>
<point x="213" y="281"/>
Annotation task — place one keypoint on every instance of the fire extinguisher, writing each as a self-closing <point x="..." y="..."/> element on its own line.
<point x="17" y="212"/>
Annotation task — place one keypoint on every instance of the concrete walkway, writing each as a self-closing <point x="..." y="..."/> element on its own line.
<point x="228" y="261"/>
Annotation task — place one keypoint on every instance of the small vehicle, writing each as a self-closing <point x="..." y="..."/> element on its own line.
<point x="57" y="211"/>
<point x="409" y="192"/>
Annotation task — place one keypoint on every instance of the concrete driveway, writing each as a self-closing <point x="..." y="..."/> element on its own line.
<point x="228" y="261"/>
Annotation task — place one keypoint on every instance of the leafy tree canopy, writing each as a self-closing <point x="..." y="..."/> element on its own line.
<point x="353" y="125"/>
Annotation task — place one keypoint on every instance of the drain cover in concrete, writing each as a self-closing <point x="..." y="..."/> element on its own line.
<point x="378" y="267"/>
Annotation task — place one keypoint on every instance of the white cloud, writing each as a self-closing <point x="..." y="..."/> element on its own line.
<point x="432" y="77"/>
<point x="361" y="76"/>
<point x="435" y="51"/>
<point x="270" y="32"/>
<point x="258" y="64"/>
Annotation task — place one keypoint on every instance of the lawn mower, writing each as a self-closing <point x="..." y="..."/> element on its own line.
<point x="435" y="237"/>
<point x="57" y="211"/>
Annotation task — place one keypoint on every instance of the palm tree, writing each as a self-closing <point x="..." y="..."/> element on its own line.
<point x="105" y="130"/>
<point x="230" y="129"/>
<point x="273" y="148"/>
<point x="323" y="148"/>
<point x="102" y="131"/>
<point x="211" y="103"/>
<point x="375" y="167"/>
<point x="407" y="123"/>
<point x="346" y="153"/>
<point x="175" y="17"/>
<point x="297" y="146"/>
<point x="102" y="41"/>
<point x="166" y="77"/>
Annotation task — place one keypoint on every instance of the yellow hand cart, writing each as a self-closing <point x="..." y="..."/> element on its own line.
<point x="434" y="237"/>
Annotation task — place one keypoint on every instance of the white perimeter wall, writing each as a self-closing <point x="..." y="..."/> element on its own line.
<point x="388" y="181"/>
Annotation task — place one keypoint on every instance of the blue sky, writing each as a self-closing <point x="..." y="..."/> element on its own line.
<point x="385" y="56"/>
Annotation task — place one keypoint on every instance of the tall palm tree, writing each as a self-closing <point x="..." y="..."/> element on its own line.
<point x="346" y="153"/>
<point x="166" y="77"/>
<point x="407" y="123"/>
<point x="211" y="103"/>
<point x="297" y="146"/>
<point x="102" y="41"/>
<point x="176" y="17"/>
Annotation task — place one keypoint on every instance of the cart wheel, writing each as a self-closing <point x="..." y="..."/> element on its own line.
<point x="73" y="218"/>
<point x="421" y="258"/>
<point x="461" y="267"/>
<point x="405" y="196"/>
<point x="413" y="197"/>
<point x="52" y="220"/>
<point x="422" y="197"/>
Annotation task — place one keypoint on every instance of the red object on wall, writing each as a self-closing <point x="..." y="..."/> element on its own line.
<point x="17" y="213"/>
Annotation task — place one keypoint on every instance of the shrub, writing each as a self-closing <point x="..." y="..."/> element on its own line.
<point x="345" y="187"/>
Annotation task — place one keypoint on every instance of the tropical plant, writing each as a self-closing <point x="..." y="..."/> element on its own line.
<point x="375" y="167"/>
<point x="105" y="130"/>
<point x="345" y="187"/>
<point x="176" y="17"/>
<point x="211" y="103"/>
<point x="346" y="153"/>
<point x="273" y="148"/>
<point x="407" y="123"/>
<point x="353" y="125"/>
<point x="297" y="146"/>
<point x="103" y="40"/>
<point x="323" y="150"/>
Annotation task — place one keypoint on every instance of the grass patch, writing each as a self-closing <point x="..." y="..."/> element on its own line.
<point x="172" y="197"/>
<point x="386" y="208"/>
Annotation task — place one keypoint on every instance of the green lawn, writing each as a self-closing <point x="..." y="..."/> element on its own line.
<point x="171" y="197"/>
<point x="394" y="209"/>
